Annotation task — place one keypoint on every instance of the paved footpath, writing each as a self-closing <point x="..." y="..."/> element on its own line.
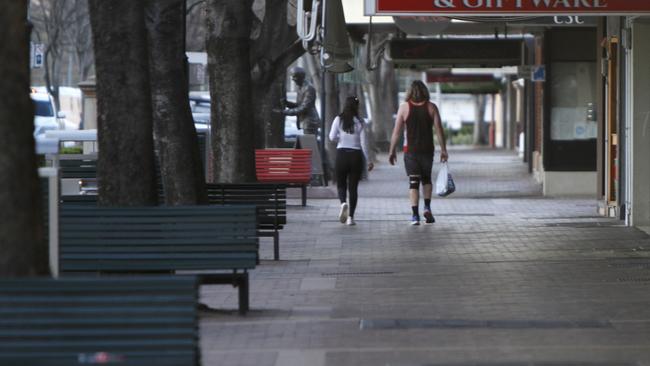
<point x="504" y="277"/>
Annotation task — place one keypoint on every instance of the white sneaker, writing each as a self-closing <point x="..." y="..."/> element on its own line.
<point x="343" y="214"/>
<point x="350" y="221"/>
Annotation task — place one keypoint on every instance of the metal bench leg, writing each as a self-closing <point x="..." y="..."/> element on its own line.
<point x="304" y="195"/>
<point x="243" y="293"/>
<point x="276" y="245"/>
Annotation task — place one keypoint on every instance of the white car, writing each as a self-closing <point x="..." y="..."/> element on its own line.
<point x="45" y="116"/>
<point x="291" y="131"/>
<point x="200" y="106"/>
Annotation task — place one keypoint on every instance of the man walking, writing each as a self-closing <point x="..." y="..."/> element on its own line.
<point x="418" y="115"/>
<point x="305" y="106"/>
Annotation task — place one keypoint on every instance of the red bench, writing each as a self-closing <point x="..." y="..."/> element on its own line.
<point x="289" y="166"/>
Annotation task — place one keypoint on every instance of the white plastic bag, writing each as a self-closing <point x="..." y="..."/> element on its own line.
<point x="444" y="183"/>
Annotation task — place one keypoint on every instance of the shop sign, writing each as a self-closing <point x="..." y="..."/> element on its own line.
<point x="556" y="21"/>
<point x="538" y="73"/>
<point x="506" y="7"/>
<point x="532" y="72"/>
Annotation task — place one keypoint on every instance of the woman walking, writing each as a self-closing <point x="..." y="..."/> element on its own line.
<point x="349" y="131"/>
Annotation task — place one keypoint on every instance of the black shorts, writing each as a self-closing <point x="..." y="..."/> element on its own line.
<point x="418" y="164"/>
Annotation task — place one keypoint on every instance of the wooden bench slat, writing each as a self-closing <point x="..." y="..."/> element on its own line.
<point x="78" y="168"/>
<point x="243" y="245"/>
<point x="147" y="231"/>
<point x="146" y="214"/>
<point x="283" y="165"/>
<point x="35" y="315"/>
<point x="144" y="320"/>
<point x="161" y="240"/>
<point x="270" y="199"/>
<point x="158" y="266"/>
<point x="135" y="298"/>
<point x="157" y="256"/>
<point x="81" y="247"/>
<point x="147" y="284"/>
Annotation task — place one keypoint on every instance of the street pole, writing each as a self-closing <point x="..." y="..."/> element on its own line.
<point x="323" y="103"/>
<point x="323" y="94"/>
<point x="186" y="65"/>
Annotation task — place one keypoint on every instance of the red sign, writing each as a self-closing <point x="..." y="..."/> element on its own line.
<point x="507" y="7"/>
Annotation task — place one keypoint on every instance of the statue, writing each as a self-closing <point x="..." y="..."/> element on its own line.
<point x="305" y="106"/>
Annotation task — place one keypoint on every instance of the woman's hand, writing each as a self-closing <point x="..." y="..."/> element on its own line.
<point x="371" y="166"/>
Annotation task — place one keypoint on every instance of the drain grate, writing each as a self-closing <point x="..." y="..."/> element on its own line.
<point x="585" y="225"/>
<point x="554" y="217"/>
<point x="386" y="324"/>
<point x="633" y="280"/>
<point x="467" y="214"/>
<point x="459" y="214"/>
<point x="356" y="274"/>
<point x="568" y="363"/>
<point x="642" y="265"/>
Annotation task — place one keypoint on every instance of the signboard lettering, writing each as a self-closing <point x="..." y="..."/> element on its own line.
<point x="555" y="21"/>
<point x="561" y="8"/>
<point x="568" y="20"/>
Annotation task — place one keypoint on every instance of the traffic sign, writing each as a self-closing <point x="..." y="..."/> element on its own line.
<point x="37" y="55"/>
<point x="532" y="72"/>
<point x="539" y="73"/>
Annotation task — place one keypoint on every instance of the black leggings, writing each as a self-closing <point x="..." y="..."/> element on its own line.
<point x="349" y="165"/>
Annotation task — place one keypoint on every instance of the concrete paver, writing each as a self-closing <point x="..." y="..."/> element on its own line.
<point x="504" y="277"/>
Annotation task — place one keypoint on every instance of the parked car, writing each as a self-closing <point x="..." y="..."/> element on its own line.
<point x="291" y="132"/>
<point x="200" y="107"/>
<point x="46" y="117"/>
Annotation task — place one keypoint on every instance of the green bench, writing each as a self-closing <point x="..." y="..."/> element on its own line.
<point x="117" y="321"/>
<point x="270" y="199"/>
<point x="79" y="199"/>
<point x="161" y="239"/>
<point x="78" y="168"/>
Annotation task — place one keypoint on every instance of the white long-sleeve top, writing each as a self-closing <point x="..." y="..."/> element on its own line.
<point x="357" y="140"/>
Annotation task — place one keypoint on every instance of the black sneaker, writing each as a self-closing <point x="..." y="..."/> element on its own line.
<point x="428" y="217"/>
<point x="415" y="220"/>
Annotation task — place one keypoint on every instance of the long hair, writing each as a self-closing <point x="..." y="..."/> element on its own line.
<point x="350" y="111"/>
<point x="418" y="92"/>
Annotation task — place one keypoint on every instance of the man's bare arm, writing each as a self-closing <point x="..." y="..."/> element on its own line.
<point x="440" y="132"/>
<point x="399" y="125"/>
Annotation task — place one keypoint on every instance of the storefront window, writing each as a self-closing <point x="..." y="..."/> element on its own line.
<point x="573" y="96"/>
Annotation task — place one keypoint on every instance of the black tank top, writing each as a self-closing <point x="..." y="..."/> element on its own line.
<point x="419" y="129"/>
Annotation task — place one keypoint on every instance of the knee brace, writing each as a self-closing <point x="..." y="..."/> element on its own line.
<point x="426" y="180"/>
<point x="414" y="182"/>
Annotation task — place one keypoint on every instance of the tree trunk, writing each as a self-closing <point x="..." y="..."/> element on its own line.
<point x="273" y="49"/>
<point x="479" y="120"/>
<point x="21" y="222"/>
<point x="332" y="109"/>
<point x="50" y="67"/>
<point x="233" y="128"/>
<point x="270" y="125"/>
<point x="314" y="71"/>
<point x="383" y="92"/>
<point x="125" y="171"/>
<point x="174" y="132"/>
<point x="372" y="156"/>
<point x="83" y="46"/>
<point x="346" y="90"/>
